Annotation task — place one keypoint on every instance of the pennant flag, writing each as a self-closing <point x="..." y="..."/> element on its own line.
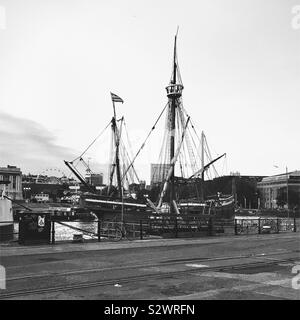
<point x="115" y="98"/>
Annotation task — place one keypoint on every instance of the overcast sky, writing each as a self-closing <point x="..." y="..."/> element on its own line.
<point x="59" y="60"/>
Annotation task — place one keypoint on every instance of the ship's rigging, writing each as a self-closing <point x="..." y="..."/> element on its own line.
<point x="119" y="158"/>
<point x="184" y="157"/>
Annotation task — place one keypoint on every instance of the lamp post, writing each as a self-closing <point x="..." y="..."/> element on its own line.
<point x="287" y="190"/>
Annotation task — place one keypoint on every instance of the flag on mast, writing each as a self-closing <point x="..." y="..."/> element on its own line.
<point x="115" y="98"/>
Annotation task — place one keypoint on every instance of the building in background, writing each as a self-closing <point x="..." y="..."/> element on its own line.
<point x="45" y="179"/>
<point x="142" y="184"/>
<point x="14" y="176"/>
<point x="158" y="173"/>
<point x="95" y="179"/>
<point x="242" y="187"/>
<point x="280" y="190"/>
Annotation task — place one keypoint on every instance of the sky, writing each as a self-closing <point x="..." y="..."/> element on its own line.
<point x="60" y="59"/>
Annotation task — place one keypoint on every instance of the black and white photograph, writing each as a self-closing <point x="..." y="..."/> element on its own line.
<point x="150" y="153"/>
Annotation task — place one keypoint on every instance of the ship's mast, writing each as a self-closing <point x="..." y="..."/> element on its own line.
<point x="172" y="128"/>
<point x="202" y="166"/>
<point x="117" y="143"/>
<point x="174" y="90"/>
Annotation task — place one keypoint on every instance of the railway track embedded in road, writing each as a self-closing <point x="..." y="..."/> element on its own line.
<point x="156" y="275"/>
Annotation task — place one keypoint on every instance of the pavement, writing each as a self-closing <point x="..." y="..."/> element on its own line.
<point x="15" y="250"/>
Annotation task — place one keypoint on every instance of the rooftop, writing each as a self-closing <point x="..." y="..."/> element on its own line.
<point x="281" y="177"/>
<point x="9" y="168"/>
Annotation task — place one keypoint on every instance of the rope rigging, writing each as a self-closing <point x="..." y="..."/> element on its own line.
<point x="143" y="144"/>
<point x="189" y="155"/>
<point x="99" y="135"/>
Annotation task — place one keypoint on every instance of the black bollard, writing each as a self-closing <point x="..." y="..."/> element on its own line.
<point x="98" y="230"/>
<point x="141" y="230"/>
<point x="210" y="227"/>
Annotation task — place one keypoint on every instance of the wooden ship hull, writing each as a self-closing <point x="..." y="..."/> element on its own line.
<point x="134" y="212"/>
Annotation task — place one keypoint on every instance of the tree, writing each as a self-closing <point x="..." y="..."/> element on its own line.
<point x="281" y="197"/>
<point x="294" y="198"/>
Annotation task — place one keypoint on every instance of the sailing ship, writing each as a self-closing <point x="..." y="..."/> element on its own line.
<point x="178" y="141"/>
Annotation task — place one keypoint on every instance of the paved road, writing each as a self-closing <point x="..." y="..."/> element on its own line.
<point x="239" y="267"/>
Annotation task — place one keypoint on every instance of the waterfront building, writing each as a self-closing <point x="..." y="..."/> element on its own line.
<point x="29" y="178"/>
<point x="13" y="175"/>
<point x="95" y="179"/>
<point x="45" y="179"/>
<point x="242" y="187"/>
<point x="276" y="191"/>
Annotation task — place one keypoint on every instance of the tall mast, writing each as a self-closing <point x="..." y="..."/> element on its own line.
<point x="202" y="165"/>
<point x="172" y="128"/>
<point x="117" y="143"/>
<point x="174" y="90"/>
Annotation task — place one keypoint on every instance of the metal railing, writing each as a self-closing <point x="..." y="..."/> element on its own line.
<point x="265" y="225"/>
<point x="104" y="230"/>
<point x="161" y="226"/>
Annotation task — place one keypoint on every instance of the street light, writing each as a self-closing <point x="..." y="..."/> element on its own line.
<point x="287" y="188"/>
